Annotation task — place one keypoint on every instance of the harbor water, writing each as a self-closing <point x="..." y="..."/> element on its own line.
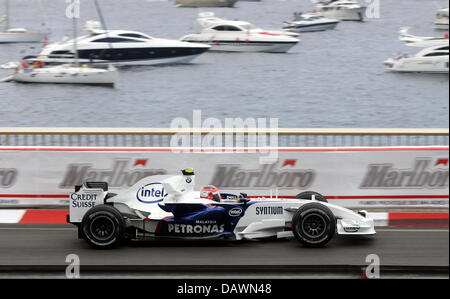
<point x="334" y="78"/>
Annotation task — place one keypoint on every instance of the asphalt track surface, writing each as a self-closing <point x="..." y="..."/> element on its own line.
<point x="24" y="247"/>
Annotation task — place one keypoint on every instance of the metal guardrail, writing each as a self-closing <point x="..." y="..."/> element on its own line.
<point x="163" y="137"/>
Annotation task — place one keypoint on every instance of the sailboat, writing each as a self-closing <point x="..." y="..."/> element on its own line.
<point x="17" y="35"/>
<point x="66" y="74"/>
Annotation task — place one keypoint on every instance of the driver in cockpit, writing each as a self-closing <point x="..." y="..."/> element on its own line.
<point x="210" y="192"/>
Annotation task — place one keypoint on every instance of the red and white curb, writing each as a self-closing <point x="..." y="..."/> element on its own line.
<point x="410" y="219"/>
<point x="381" y="219"/>
<point x="33" y="216"/>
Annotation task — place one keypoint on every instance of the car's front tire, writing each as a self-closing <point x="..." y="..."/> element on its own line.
<point x="313" y="225"/>
<point x="309" y="195"/>
<point x="103" y="227"/>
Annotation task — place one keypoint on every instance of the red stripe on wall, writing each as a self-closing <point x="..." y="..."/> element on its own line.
<point x="388" y="197"/>
<point x="256" y="196"/>
<point x="365" y="196"/>
<point x="228" y="150"/>
<point x="35" y="195"/>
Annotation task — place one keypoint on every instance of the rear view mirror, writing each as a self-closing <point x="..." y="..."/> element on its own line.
<point x="243" y="198"/>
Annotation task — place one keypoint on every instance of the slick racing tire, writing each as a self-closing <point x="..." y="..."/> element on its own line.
<point x="309" y="194"/>
<point x="313" y="225"/>
<point x="103" y="227"/>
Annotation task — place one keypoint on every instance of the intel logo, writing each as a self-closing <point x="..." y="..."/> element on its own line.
<point x="234" y="212"/>
<point x="151" y="193"/>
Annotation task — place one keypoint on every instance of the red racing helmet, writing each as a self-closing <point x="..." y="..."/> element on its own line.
<point x="210" y="192"/>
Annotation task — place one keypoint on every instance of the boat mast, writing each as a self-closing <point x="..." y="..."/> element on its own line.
<point x="6" y="15"/>
<point x="75" y="46"/>
<point x="43" y="15"/>
<point x="100" y="15"/>
<point x="102" y="21"/>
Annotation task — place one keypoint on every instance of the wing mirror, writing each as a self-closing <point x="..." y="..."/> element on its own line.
<point x="242" y="198"/>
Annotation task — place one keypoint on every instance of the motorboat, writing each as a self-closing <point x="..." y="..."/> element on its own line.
<point x="345" y="10"/>
<point x="307" y="22"/>
<point x="205" y="3"/>
<point x="121" y="48"/>
<point x="240" y="36"/>
<point x="66" y="74"/>
<point x="429" y="60"/>
<point x="421" y="41"/>
<point x="441" y="19"/>
<point x="18" y="35"/>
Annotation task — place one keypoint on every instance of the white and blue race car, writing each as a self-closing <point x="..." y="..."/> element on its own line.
<point x="160" y="207"/>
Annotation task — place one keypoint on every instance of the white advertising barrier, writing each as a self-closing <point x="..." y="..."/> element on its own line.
<point x="351" y="177"/>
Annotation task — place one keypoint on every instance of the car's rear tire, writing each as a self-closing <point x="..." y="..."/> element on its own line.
<point x="313" y="225"/>
<point x="103" y="227"/>
<point x="309" y="194"/>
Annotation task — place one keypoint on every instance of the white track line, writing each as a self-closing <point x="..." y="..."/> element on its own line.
<point x="412" y="230"/>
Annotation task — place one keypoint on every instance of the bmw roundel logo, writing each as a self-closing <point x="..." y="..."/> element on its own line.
<point x="188" y="180"/>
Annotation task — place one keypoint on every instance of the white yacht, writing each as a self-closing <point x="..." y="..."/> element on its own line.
<point x="345" y="10"/>
<point x="421" y="41"/>
<point x="308" y="22"/>
<point x="18" y="35"/>
<point x="120" y="47"/>
<point x="428" y="60"/>
<point x="240" y="36"/>
<point x="441" y="19"/>
<point x="205" y="3"/>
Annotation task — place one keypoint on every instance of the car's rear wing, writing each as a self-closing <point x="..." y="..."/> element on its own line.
<point x="85" y="197"/>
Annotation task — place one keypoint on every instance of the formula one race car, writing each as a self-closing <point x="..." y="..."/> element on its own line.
<point x="159" y="207"/>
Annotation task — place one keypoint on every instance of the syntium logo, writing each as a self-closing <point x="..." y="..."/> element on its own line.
<point x="122" y="173"/>
<point x="424" y="173"/>
<point x="8" y="177"/>
<point x="269" y="175"/>
<point x="269" y="210"/>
